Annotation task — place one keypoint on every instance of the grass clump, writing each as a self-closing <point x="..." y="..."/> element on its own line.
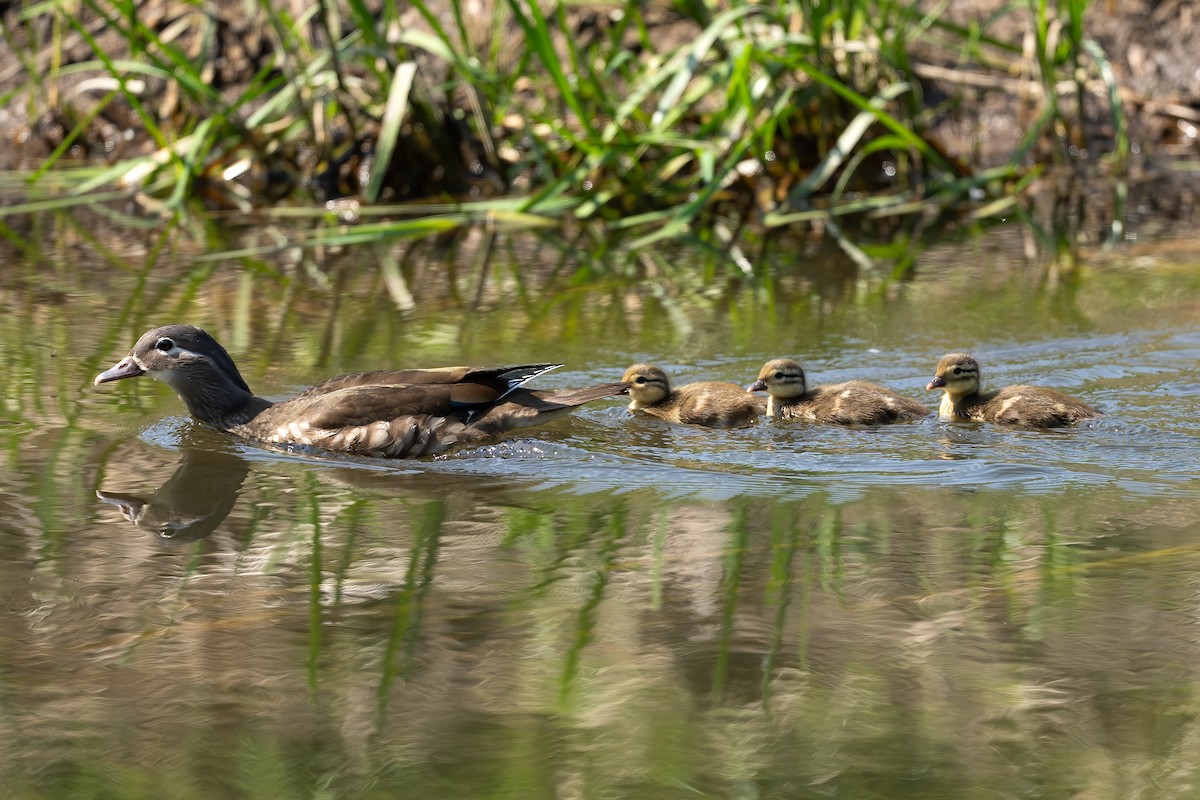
<point x="689" y="121"/>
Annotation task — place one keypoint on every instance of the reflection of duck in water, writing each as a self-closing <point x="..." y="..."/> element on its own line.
<point x="194" y="500"/>
<point x="716" y="404"/>
<point x="389" y="414"/>
<point x="849" y="403"/>
<point x="957" y="375"/>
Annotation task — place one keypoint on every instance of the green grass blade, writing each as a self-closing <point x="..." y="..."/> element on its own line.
<point x="537" y="35"/>
<point x="694" y="57"/>
<point x="389" y="129"/>
<point x="846" y="143"/>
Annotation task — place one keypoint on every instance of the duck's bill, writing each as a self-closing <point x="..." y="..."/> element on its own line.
<point x="757" y="386"/>
<point x="936" y="383"/>
<point x="129" y="505"/>
<point x="127" y="368"/>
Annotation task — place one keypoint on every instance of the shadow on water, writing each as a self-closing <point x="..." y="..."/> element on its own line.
<point x="605" y="606"/>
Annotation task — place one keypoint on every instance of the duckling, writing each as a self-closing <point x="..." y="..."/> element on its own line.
<point x="383" y="414"/>
<point x="957" y="375"/>
<point x="715" y="404"/>
<point x="849" y="403"/>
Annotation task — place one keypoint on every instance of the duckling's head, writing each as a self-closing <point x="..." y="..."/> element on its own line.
<point x="782" y="378"/>
<point x="957" y="375"/>
<point x="647" y="385"/>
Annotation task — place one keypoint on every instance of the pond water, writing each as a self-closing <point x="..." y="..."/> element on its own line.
<point x="603" y="607"/>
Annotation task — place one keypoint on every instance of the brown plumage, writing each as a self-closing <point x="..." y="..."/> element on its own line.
<point x="957" y="375"/>
<point x="849" y="403"/>
<point x="716" y="404"/>
<point x="386" y="414"/>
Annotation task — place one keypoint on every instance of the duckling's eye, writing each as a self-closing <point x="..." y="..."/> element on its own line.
<point x="640" y="380"/>
<point x="778" y="376"/>
<point x="164" y="344"/>
<point x="958" y="370"/>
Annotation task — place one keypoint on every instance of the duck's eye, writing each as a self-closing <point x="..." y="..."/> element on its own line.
<point x="164" y="344"/>
<point x="640" y="380"/>
<point x="958" y="370"/>
<point x="778" y="376"/>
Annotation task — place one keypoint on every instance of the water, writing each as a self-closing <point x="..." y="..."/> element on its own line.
<point x="603" y="607"/>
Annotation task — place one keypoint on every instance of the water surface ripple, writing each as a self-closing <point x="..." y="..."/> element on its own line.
<point x="606" y="606"/>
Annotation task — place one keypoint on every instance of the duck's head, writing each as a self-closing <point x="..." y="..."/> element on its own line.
<point x="192" y="363"/>
<point x="647" y="385"/>
<point x="957" y="374"/>
<point x="782" y="378"/>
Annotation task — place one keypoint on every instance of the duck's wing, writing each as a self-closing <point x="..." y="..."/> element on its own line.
<point x="375" y="421"/>
<point x="382" y="396"/>
<point x="362" y="405"/>
<point x="398" y="377"/>
<point x="473" y="381"/>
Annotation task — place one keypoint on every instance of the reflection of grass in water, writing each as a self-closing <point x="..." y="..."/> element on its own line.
<point x="849" y="646"/>
<point x="400" y="650"/>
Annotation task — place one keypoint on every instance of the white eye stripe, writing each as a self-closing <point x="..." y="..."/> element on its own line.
<point x="176" y="352"/>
